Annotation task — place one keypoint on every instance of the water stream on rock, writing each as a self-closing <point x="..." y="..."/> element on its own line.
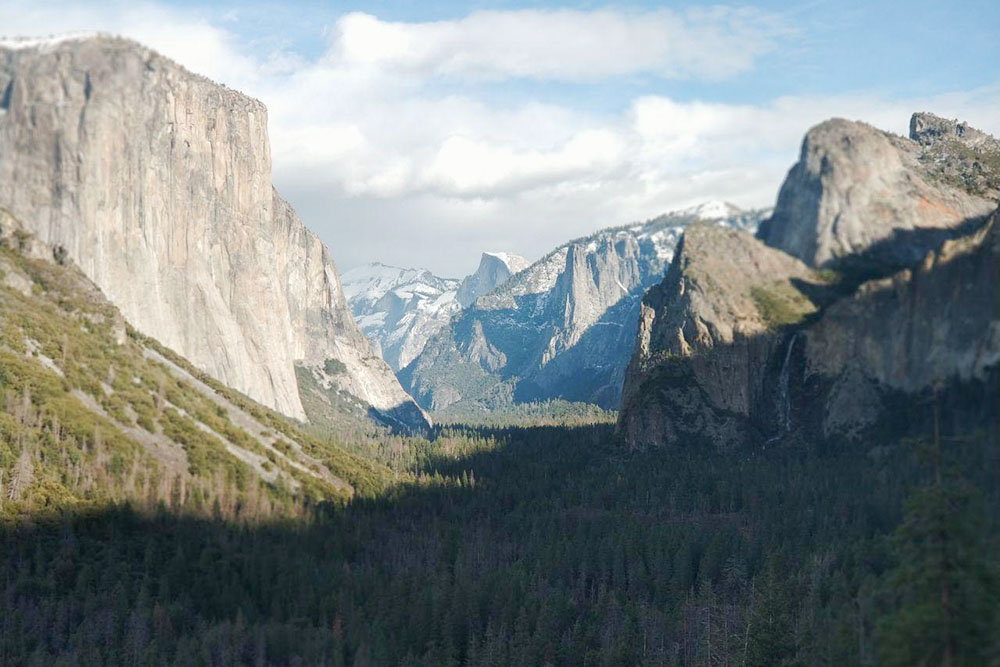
<point x="784" y="401"/>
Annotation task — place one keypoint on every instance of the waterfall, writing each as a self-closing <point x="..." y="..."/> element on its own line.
<point x="784" y="400"/>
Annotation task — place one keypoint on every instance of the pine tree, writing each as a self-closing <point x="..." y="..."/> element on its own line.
<point x="770" y="625"/>
<point x="942" y="590"/>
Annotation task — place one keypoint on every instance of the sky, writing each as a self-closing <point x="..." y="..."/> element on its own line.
<point x="420" y="134"/>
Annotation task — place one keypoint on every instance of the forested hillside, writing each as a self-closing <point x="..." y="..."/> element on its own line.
<point x="95" y="413"/>
<point x="543" y="546"/>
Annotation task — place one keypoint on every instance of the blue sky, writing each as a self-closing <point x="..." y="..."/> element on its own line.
<point x="906" y="48"/>
<point x="424" y="133"/>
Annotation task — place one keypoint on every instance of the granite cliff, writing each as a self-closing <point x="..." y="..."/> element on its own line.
<point x="879" y="292"/>
<point x="706" y="336"/>
<point x="867" y="196"/>
<point x="156" y="182"/>
<point x="495" y="268"/>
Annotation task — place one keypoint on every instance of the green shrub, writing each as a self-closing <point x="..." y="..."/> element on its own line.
<point x="334" y="367"/>
<point x="780" y="304"/>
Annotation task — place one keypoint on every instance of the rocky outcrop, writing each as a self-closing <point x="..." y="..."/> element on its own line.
<point x="930" y="130"/>
<point x="955" y="153"/>
<point x="562" y="328"/>
<point x="917" y="330"/>
<point x="157" y="183"/>
<point x="495" y="268"/>
<point x="762" y="348"/>
<point x="706" y="338"/>
<point x="866" y="195"/>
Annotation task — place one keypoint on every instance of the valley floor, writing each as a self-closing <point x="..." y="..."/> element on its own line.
<point x="537" y="546"/>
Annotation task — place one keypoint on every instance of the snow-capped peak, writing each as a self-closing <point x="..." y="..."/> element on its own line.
<point x="513" y="262"/>
<point x="712" y="210"/>
<point x="370" y="282"/>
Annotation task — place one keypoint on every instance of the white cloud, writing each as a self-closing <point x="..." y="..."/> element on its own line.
<point x="562" y="44"/>
<point x="385" y="168"/>
<point x="186" y="37"/>
<point x="463" y="166"/>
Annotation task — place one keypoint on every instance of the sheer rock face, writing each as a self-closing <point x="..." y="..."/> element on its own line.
<point x="706" y="337"/>
<point x="562" y="328"/>
<point x="915" y="330"/>
<point x="157" y="183"/>
<point x="857" y="192"/>
<point x="495" y="268"/>
<point x="709" y="369"/>
<point x="743" y="343"/>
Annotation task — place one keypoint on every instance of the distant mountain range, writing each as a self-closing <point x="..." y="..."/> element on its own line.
<point x="561" y="328"/>
<point x="400" y="309"/>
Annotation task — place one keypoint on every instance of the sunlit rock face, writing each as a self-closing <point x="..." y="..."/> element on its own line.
<point x="157" y="183"/>
<point x="863" y="194"/>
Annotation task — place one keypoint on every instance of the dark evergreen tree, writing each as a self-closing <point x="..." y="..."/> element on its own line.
<point x="943" y="590"/>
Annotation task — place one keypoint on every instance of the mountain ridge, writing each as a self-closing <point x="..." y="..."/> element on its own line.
<point x="522" y="342"/>
<point x="399" y="309"/>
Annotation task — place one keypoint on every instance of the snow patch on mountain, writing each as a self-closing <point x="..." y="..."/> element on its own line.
<point x="712" y="210"/>
<point x="399" y="309"/>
